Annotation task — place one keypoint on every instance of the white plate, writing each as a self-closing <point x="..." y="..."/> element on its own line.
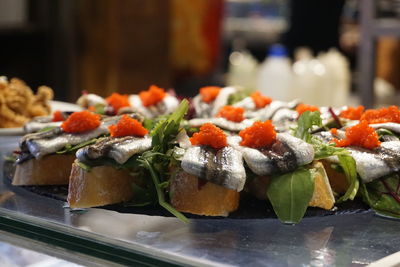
<point x="55" y="105"/>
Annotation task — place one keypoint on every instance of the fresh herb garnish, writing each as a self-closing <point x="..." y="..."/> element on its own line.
<point x="383" y="195"/>
<point x="70" y="149"/>
<point x="290" y="194"/>
<point x="238" y="96"/>
<point x="46" y="129"/>
<point x="157" y="160"/>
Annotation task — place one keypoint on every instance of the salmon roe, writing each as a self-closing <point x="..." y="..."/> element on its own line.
<point x="152" y="96"/>
<point x="259" y="100"/>
<point x="127" y="126"/>
<point x="352" y="113"/>
<point x="390" y="114"/>
<point x="333" y="131"/>
<point x="58" y="116"/>
<point x="260" y="134"/>
<point x="81" y="121"/>
<point x="359" y="135"/>
<point x="209" y="135"/>
<point x="209" y="93"/>
<point x="117" y="101"/>
<point x="231" y="113"/>
<point x="301" y="108"/>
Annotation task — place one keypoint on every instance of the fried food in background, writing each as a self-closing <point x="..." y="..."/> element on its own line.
<point x="18" y="103"/>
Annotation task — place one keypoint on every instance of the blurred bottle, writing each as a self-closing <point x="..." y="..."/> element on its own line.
<point x="303" y="76"/>
<point x="337" y="85"/>
<point x="275" y="75"/>
<point x="242" y="70"/>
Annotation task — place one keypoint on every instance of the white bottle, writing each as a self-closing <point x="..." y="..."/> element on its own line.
<point x="275" y="75"/>
<point x="242" y="70"/>
<point x="338" y="80"/>
<point x="303" y="76"/>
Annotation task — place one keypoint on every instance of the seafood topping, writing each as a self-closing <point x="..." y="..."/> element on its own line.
<point x="223" y="166"/>
<point x="120" y="149"/>
<point x="284" y="155"/>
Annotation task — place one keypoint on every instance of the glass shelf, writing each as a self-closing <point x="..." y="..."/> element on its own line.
<point x="343" y="240"/>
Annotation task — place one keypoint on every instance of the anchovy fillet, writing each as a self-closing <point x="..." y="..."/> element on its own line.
<point x="222" y="123"/>
<point x="208" y="110"/>
<point x="285" y="155"/>
<point x="119" y="149"/>
<point x="165" y="106"/>
<point x="44" y="143"/>
<point x="391" y="126"/>
<point x="223" y="167"/>
<point x="370" y="163"/>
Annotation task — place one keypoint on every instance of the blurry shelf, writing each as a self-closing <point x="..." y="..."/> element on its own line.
<point x="387" y="27"/>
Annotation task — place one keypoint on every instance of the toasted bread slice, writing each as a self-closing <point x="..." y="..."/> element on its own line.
<point x="188" y="194"/>
<point x="52" y="169"/>
<point x="337" y="180"/>
<point x="100" y="186"/>
<point x="323" y="195"/>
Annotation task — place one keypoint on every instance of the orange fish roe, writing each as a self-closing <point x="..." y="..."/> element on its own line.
<point x="81" y="121"/>
<point x="209" y="93"/>
<point x="152" y="96"/>
<point x="359" y="135"/>
<point x="127" y="126"/>
<point x="259" y="100"/>
<point x="209" y="135"/>
<point x="390" y="114"/>
<point x="58" y="116"/>
<point x="118" y="101"/>
<point x="260" y="134"/>
<point x="301" y="108"/>
<point x="352" y="113"/>
<point x="231" y="113"/>
<point x="333" y="131"/>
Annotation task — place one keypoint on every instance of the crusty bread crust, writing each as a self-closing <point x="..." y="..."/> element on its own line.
<point x="209" y="199"/>
<point x="50" y="170"/>
<point x="100" y="186"/>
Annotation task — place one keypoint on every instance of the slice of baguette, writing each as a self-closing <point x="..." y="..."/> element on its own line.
<point x="102" y="185"/>
<point x="50" y="170"/>
<point x="187" y="195"/>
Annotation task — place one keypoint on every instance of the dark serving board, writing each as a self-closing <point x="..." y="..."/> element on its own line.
<point x="249" y="207"/>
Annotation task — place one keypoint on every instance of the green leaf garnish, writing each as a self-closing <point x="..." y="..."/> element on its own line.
<point x="383" y="195"/>
<point x="69" y="149"/>
<point x="158" y="159"/>
<point x="290" y="194"/>
<point x="46" y="129"/>
<point x="306" y="121"/>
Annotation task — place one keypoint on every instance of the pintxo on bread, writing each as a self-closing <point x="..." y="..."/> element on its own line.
<point x="290" y="154"/>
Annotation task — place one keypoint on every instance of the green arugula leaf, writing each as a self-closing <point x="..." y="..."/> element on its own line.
<point x="69" y="149"/>
<point x="158" y="159"/>
<point x="304" y="124"/>
<point x="382" y="132"/>
<point x="383" y="195"/>
<point x="47" y="128"/>
<point x="290" y="194"/>
<point x="238" y="96"/>
<point x="348" y="165"/>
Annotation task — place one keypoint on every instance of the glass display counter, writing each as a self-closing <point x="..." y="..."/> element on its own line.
<point x="103" y="235"/>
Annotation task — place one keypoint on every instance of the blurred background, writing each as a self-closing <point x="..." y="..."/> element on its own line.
<point x="331" y="52"/>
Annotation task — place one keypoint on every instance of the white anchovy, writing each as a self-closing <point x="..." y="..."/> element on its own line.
<point x="223" y="167"/>
<point x="370" y="163"/>
<point x="284" y="119"/>
<point x="285" y="155"/>
<point x="268" y="112"/>
<point x="222" y="123"/>
<point x="208" y="110"/>
<point x="247" y="103"/>
<point x="34" y="126"/>
<point x="391" y="126"/>
<point x="165" y="106"/>
<point x="87" y="100"/>
<point x="44" y="143"/>
<point x="120" y="149"/>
